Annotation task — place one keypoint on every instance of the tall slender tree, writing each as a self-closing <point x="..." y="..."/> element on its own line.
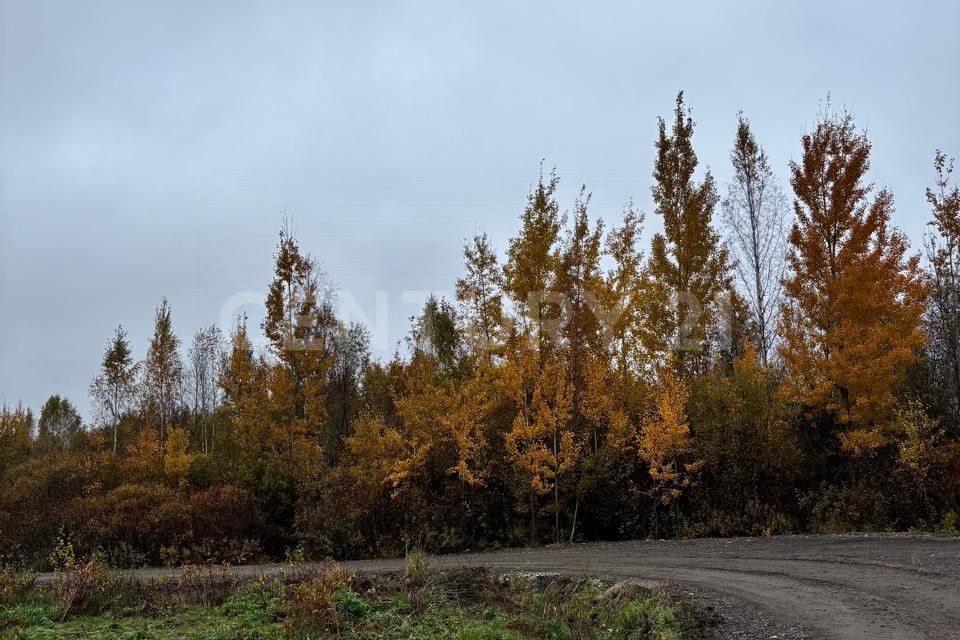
<point x="114" y="388"/>
<point x="479" y="293"/>
<point x="351" y="357"/>
<point x="664" y="443"/>
<point x="299" y="326"/>
<point x="244" y="398"/>
<point x="579" y="279"/>
<point x="755" y="213"/>
<point x="943" y="254"/>
<point x="541" y="442"/>
<point x="163" y="372"/>
<point x="688" y="263"/>
<point x="207" y="356"/>
<point x="623" y="295"/>
<point x="532" y="258"/>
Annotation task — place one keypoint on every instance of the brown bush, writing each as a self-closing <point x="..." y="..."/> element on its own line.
<point x="206" y="585"/>
<point x="82" y="587"/>
<point x="311" y="602"/>
<point x="223" y="512"/>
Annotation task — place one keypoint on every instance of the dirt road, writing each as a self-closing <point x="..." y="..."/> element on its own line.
<point x="839" y="587"/>
<point x="853" y="587"/>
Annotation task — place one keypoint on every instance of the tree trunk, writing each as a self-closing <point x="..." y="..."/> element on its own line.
<point x="573" y="527"/>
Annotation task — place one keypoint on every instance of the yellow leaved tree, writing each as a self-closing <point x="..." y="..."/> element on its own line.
<point x="542" y="442"/>
<point x="664" y="443"/>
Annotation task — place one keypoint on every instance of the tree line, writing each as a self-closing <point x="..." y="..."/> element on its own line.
<point x="775" y="361"/>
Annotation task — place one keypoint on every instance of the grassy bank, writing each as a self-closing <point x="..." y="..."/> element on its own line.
<point x="328" y="603"/>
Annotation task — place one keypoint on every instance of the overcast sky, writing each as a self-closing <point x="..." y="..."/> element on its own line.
<point x="148" y="149"/>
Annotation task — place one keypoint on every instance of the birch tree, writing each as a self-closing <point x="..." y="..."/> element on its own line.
<point x="113" y="390"/>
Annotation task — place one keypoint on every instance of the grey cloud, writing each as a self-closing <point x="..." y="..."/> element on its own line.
<point x="148" y="150"/>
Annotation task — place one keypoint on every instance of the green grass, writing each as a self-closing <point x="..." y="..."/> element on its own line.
<point x="189" y="622"/>
<point x="466" y="605"/>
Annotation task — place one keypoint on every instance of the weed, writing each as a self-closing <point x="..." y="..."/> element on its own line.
<point x="25" y="615"/>
<point x="416" y="567"/>
<point x="205" y="585"/>
<point x="312" y="603"/>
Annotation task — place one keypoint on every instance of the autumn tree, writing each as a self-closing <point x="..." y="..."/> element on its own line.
<point x="943" y="254"/>
<point x="479" y="292"/>
<point x="16" y="433"/>
<point x="606" y="432"/>
<point x="244" y="396"/>
<point x="58" y="426"/>
<point x="919" y="448"/>
<point x="206" y="358"/>
<point x="664" y="443"/>
<point x="176" y="455"/>
<point x="437" y="418"/>
<point x="350" y="354"/>
<point x="622" y="298"/>
<point x="532" y="258"/>
<point x="436" y="334"/>
<point x="113" y="390"/>
<point x="469" y="420"/>
<point x="688" y="263"/>
<point x="755" y="211"/>
<point x="373" y="450"/>
<point x="162" y="371"/>
<point x="852" y="318"/>
<point x="423" y="403"/>
<point x="579" y="279"/>
<point x="298" y="325"/>
<point x="541" y="442"/>
<point x="745" y="436"/>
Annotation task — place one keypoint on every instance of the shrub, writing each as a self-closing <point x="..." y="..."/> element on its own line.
<point x="312" y="603"/>
<point x="223" y="513"/>
<point x="13" y="586"/>
<point x="350" y="603"/>
<point x="82" y="587"/>
<point x="259" y="600"/>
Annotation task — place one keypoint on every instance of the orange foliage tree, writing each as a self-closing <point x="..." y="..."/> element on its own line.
<point x="855" y="300"/>
<point x="542" y="442"/>
<point x="664" y="442"/>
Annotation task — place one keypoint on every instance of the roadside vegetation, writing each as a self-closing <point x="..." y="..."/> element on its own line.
<point x="325" y="602"/>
